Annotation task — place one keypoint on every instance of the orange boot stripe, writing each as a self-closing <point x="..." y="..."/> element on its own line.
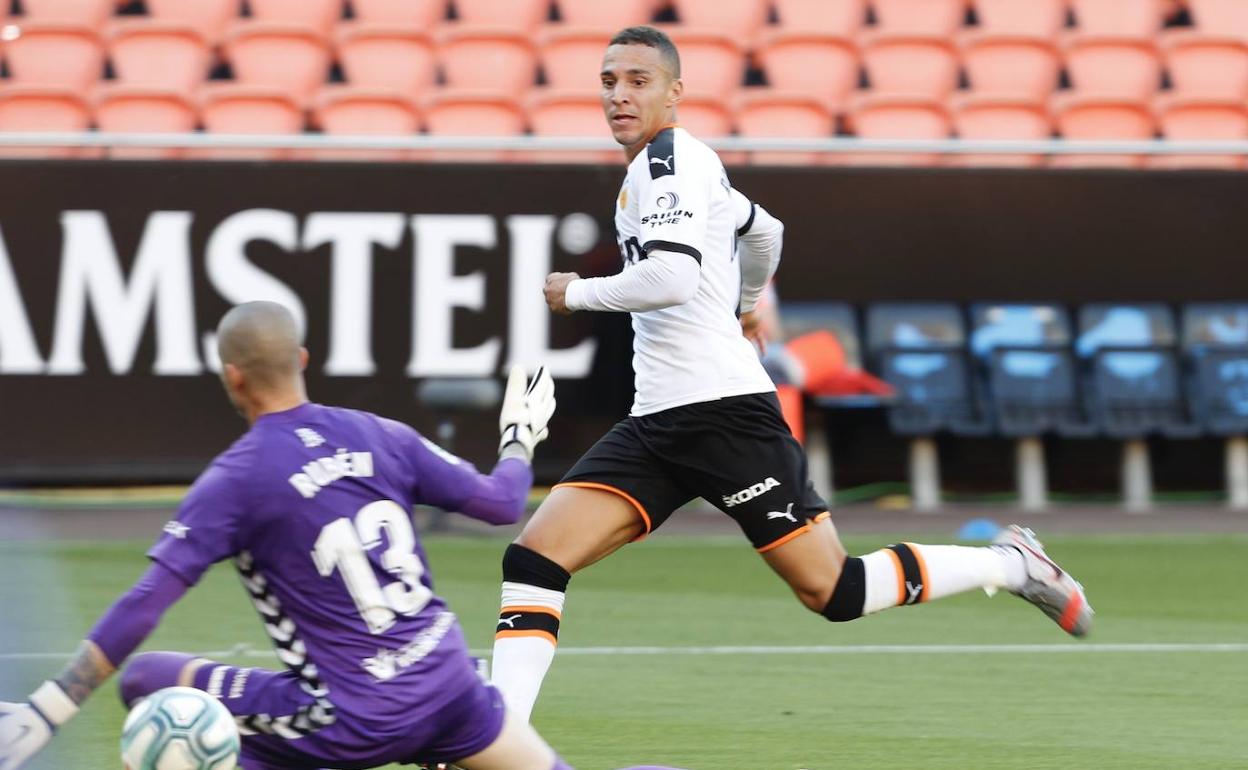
<point x="927" y="587"/>
<point x="540" y="634"/>
<point x="641" y="509"/>
<point x="1071" y="613"/>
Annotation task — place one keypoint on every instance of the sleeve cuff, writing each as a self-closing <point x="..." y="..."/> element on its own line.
<point x="574" y="298"/>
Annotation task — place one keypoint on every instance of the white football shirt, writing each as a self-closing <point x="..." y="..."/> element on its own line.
<point x="676" y="198"/>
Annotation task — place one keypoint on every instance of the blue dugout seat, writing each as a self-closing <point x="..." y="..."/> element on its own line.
<point x="920" y="349"/>
<point x="1032" y="382"/>
<point x="1215" y="344"/>
<point x="1133" y="379"/>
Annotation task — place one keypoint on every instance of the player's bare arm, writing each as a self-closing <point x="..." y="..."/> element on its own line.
<point x="557" y="292"/>
<point x="85" y="672"/>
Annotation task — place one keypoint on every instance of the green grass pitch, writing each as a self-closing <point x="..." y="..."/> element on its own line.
<point x="1056" y="708"/>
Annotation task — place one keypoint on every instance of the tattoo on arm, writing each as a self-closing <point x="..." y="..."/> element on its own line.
<point x="86" y="671"/>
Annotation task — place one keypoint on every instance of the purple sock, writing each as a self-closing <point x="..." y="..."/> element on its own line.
<point x="149" y="672"/>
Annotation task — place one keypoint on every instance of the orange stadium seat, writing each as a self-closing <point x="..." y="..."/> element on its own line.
<point x="557" y="112"/>
<point x="990" y="117"/>
<point x="425" y="14"/>
<point x="382" y="55"/>
<point x="740" y="19"/>
<point x="825" y="66"/>
<point x="616" y="14"/>
<point x="832" y="17"/>
<point x="93" y="13"/>
<point x="910" y="64"/>
<point x="523" y="15"/>
<point x="766" y="114"/>
<point x="708" y="117"/>
<point x="1116" y="66"/>
<point x="1011" y="64"/>
<point x="210" y="17"/>
<point x="294" y="57"/>
<point x="347" y="110"/>
<point x="711" y="62"/>
<point x="898" y="117"/>
<point x="144" y="110"/>
<point x="1039" y="18"/>
<point x="321" y="14"/>
<point x="1128" y="18"/>
<point x="920" y="17"/>
<point x="1099" y="118"/>
<point x="1220" y="17"/>
<point x="455" y="112"/>
<point x="572" y="56"/>
<point x="1206" y="65"/>
<point x="1201" y="118"/>
<point x="488" y="57"/>
<point x="159" y="53"/>
<point x="234" y="108"/>
<point x="55" y="53"/>
<point x="43" y="108"/>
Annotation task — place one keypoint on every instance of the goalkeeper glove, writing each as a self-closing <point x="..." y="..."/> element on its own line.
<point x="526" y="410"/>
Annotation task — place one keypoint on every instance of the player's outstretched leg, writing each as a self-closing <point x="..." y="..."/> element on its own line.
<point x="151" y="671"/>
<point x="573" y="528"/>
<point x="844" y="588"/>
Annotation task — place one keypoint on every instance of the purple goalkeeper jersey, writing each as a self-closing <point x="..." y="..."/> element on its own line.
<point x="313" y="506"/>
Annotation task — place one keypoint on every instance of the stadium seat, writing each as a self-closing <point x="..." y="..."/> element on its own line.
<point x="92" y="13"/>
<point x="1033" y="383"/>
<point x="1206" y="64"/>
<point x="43" y="108"/>
<point x="1031" y="18"/>
<point x="1011" y="64"/>
<point x="910" y="64"/>
<point x="742" y="20"/>
<point x="766" y="113"/>
<point x="1133" y="383"/>
<point x="469" y="112"/>
<point x="494" y="58"/>
<point x="843" y="18"/>
<point x="349" y="110"/>
<point x="294" y="57"/>
<point x="1125" y="18"/>
<point x="1114" y="66"/>
<point x="144" y="110"/>
<point x="383" y="55"/>
<point x="1215" y="344"/>
<point x="321" y="14"/>
<point x="53" y="53"/>
<point x="897" y="117"/>
<point x="616" y="14"/>
<point x="516" y="15"/>
<point x="210" y="17"/>
<point x="920" y="17"/>
<point x="711" y="63"/>
<point x="159" y="53"/>
<point x="920" y="350"/>
<point x="234" y="108"/>
<point x="567" y="112"/>
<point x="424" y="14"/>
<point x="1220" y="17"/>
<point x="1102" y="119"/>
<point x="572" y="56"/>
<point x="990" y="117"/>
<point x="705" y="116"/>
<point x="825" y="66"/>
<point x="1200" y="118"/>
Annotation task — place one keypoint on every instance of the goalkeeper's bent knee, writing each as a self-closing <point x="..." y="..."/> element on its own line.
<point x="850" y="593"/>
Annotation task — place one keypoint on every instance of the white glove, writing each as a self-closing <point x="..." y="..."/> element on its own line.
<point x="25" y="728"/>
<point x="526" y="410"/>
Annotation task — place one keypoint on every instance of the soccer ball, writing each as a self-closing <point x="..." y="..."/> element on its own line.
<point x="179" y="728"/>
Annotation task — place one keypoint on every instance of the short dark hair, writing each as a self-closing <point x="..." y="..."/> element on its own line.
<point x="655" y="38"/>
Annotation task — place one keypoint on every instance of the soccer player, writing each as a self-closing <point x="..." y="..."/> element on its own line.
<point x="705" y="421"/>
<point x="313" y="506"/>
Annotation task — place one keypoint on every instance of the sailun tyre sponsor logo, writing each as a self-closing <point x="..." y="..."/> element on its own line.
<point x="750" y="492"/>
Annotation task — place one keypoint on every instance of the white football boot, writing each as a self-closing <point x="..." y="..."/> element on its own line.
<point x="1048" y="586"/>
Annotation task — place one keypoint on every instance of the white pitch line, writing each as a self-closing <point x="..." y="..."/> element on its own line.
<point x="243" y="650"/>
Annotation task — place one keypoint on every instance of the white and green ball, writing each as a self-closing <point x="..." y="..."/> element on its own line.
<point x="179" y="728"/>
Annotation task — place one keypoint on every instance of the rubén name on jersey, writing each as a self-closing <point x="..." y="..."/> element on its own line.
<point x="324" y="471"/>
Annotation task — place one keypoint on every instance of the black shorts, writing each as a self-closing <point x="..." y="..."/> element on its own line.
<point x="737" y="453"/>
